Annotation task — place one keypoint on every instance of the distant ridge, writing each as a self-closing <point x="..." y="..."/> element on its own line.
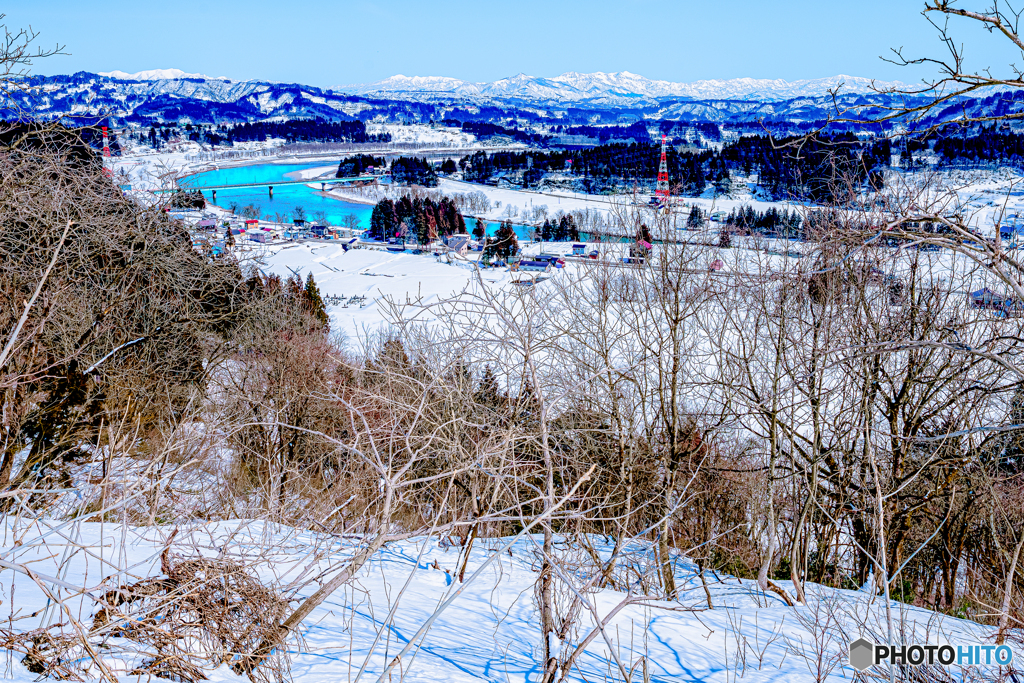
<point x="573" y="86"/>
<point x="157" y="75"/>
<point x="173" y="95"/>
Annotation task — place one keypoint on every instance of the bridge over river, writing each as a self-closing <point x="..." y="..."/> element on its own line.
<point x="270" y="184"/>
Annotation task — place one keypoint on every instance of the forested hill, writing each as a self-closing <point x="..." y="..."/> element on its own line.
<point x="314" y="130"/>
<point x="811" y="174"/>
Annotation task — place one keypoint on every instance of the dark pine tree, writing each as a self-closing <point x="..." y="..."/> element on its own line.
<point x="696" y="218"/>
<point x="504" y="245"/>
<point x="314" y="303"/>
<point x="547" y="231"/>
<point x="383" y="220"/>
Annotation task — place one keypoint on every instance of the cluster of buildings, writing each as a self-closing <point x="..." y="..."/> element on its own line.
<point x="459" y="243"/>
<point x="218" y="233"/>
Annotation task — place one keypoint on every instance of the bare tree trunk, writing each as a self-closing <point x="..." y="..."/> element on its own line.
<point x="247" y="663"/>
<point x="1004" y="612"/>
<point x="795" y="563"/>
<point x="771" y="523"/>
<point x="547" y="587"/>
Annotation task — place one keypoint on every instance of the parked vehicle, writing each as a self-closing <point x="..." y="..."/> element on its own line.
<point x="554" y="259"/>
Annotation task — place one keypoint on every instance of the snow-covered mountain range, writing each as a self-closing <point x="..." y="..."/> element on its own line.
<point x="573" y="86"/>
<point x="157" y="75"/>
<point x="172" y="95"/>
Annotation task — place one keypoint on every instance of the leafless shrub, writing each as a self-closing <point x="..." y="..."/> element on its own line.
<point x="201" y="613"/>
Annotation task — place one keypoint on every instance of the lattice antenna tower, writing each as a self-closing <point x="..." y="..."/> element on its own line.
<point x="662" y="191"/>
<point x="106" y="153"/>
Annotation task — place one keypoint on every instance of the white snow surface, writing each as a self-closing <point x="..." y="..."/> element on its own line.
<point x="379" y="276"/>
<point x="490" y="632"/>
<point x="157" y="75"/>
<point x="573" y="86"/>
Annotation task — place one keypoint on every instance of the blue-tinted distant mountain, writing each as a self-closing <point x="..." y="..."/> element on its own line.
<point x="155" y="75"/>
<point x="150" y="96"/>
<point x="623" y="85"/>
<point x="172" y="96"/>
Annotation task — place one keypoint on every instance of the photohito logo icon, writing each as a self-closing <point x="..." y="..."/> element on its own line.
<point x="862" y="653"/>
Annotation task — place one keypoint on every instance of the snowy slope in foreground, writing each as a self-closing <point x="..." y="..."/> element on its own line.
<point x="490" y="631"/>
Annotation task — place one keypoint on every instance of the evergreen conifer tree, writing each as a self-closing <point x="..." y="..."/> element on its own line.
<point x="696" y="218"/>
<point x="314" y="303"/>
<point x="422" y="226"/>
<point x="572" y="232"/>
<point x="547" y="231"/>
<point x="430" y="177"/>
<point x="566" y="229"/>
<point x="505" y="245"/>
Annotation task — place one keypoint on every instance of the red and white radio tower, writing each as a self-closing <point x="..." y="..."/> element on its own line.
<point x="662" y="192"/>
<point x="106" y="154"/>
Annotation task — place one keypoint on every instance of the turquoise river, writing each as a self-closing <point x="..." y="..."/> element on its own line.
<point x="287" y="197"/>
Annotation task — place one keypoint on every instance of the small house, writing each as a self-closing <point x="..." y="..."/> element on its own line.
<point x="258" y="236"/>
<point x="579" y="249"/>
<point x="459" y="244"/>
<point x="251" y="223"/>
<point x="531" y="266"/>
<point x="208" y="224"/>
<point x="986" y="298"/>
<point x="1012" y="230"/>
<point x="299" y="222"/>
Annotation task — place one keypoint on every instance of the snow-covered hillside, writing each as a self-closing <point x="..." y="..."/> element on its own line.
<point x="488" y="631"/>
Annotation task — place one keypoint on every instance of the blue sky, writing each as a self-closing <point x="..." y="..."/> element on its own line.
<point x="334" y="42"/>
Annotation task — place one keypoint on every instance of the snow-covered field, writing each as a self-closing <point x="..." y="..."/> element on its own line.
<point x="489" y="632"/>
<point x="377" y="275"/>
